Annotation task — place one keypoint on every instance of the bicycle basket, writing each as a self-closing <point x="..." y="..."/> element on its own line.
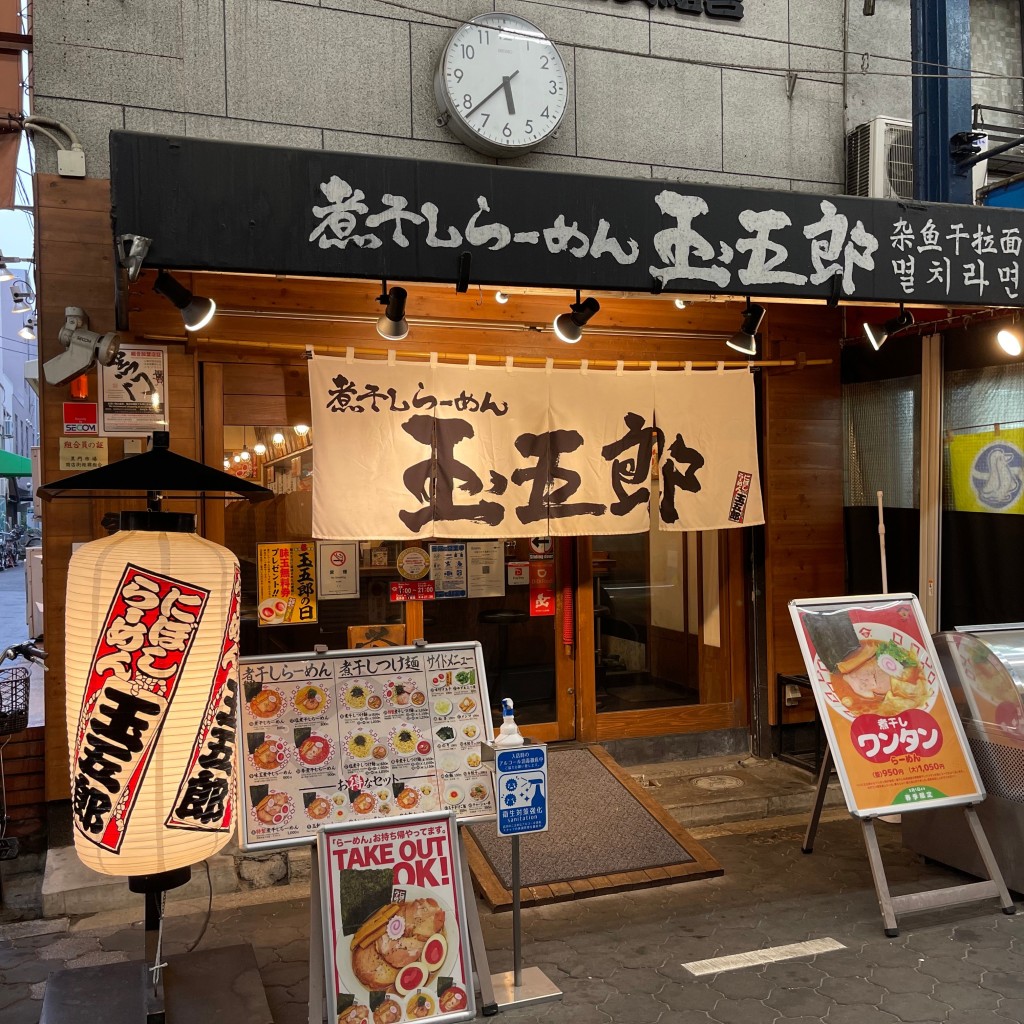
<point x="13" y="700"/>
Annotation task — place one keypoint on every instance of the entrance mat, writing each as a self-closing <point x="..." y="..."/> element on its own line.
<point x="606" y="834"/>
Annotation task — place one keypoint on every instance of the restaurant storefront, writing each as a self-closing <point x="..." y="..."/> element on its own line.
<point x="645" y="632"/>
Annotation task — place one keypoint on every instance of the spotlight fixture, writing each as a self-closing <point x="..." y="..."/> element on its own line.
<point x="878" y="334"/>
<point x="22" y="297"/>
<point x="278" y="437"/>
<point x="28" y="331"/>
<point x="1010" y="341"/>
<point x="568" y="327"/>
<point x="132" y="250"/>
<point x="196" y="310"/>
<point x="393" y="325"/>
<point x="5" y="271"/>
<point x="301" y="429"/>
<point x="501" y="298"/>
<point x="680" y="303"/>
<point x="259" y="448"/>
<point x="745" y="339"/>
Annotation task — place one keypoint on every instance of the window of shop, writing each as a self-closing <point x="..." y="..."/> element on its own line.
<point x="983" y="492"/>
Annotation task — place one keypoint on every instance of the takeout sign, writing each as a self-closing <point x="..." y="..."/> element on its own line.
<point x="421" y="862"/>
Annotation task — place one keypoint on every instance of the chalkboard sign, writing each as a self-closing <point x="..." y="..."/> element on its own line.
<point x="361" y="735"/>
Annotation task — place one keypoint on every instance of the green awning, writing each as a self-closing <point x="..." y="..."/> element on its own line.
<point x="12" y="464"/>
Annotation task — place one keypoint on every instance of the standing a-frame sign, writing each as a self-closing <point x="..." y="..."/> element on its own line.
<point x="893" y="730"/>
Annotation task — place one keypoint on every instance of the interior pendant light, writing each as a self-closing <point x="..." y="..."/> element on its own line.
<point x="878" y="334"/>
<point x="1010" y="341"/>
<point x="569" y="326"/>
<point x="259" y="448"/>
<point x="278" y="437"/>
<point x="745" y="339"/>
<point x="227" y="463"/>
<point x="196" y="310"/>
<point x="301" y="429"/>
<point x="392" y="325"/>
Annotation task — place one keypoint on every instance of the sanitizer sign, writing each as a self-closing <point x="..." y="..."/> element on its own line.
<point x="521" y="790"/>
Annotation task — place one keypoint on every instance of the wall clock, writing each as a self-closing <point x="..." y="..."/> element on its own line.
<point x="500" y="85"/>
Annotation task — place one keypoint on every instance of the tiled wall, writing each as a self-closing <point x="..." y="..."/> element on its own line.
<point x="996" y="49"/>
<point x="648" y="93"/>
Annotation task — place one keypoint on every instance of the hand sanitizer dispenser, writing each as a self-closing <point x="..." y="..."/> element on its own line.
<point x="509" y="734"/>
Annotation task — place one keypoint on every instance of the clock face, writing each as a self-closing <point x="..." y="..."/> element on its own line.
<point x="502" y="84"/>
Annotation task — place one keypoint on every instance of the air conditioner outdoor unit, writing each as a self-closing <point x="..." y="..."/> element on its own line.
<point x="880" y="160"/>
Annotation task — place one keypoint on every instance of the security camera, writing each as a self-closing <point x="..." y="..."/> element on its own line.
<point x="82" y="348"/>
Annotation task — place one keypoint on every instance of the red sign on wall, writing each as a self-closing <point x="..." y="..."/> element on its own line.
<point x="413" y="590"/>
<point x="81" y="418"/>
<point x="542" y="588"/>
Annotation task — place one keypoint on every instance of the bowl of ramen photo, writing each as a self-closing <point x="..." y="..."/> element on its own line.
<point x="318" y="807"/>
<point x="274" y="809"/>
<point x="314" y="750"/>
<point x="401" y="949"/>
<point x="311" y="700"/>
<point x="267" y="703"/>
<point x="270" y="755"/>
<point x="882" y="676"/>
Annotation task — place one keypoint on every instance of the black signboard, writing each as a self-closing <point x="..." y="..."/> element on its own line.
<point x="226" y="206"/>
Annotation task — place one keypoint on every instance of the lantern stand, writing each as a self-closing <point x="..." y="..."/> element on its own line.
<point x="217" y="986"/>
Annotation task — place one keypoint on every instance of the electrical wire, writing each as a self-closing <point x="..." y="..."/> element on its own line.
<point x="209" y="908"/>
<point x="865" y="57"/>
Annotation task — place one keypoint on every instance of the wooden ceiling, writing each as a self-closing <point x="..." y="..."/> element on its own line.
<point x="281" y="316"/>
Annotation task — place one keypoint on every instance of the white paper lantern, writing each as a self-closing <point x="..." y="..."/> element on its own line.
<point x="151" y="637"/>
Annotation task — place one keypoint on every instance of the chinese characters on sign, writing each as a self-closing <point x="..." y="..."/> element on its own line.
<point x="521" y="782"/>
<point x="892" y="726"/>
<point x="372" y="216"/>
<point x="208" y="785"/>
<point x="287" y="584"/>
<point x="133" y="392"/>
<point x="79" y="453"/>
<point x="139" y="657"/>
<point x="337" y="569"/>
<point x="476" y="452"/>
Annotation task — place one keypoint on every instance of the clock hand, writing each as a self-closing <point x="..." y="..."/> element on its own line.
<point x="507" y="83"/>
<point x="493" y="93"/>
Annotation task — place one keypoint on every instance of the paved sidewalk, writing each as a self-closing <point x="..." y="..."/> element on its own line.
<point x="619" y="958"/>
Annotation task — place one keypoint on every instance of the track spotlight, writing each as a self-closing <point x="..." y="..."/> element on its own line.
<point x="259" y="448"/>
<point x="745" y="339"/>
<point x="568" y="327"/>
<point x="393" y="325"/>
<point x="680" y="303"/>
<point x="301" y="429"/>
<point x="22" y="297"/>
<point x="878" y="334"/>
<point x="501" y="298"/>
<point x="278" y="437"/>
<point x="1010" y="341"/>
<point x="5" y="271"/>
<point x="196" y="311"/>
<point x="28" y="331"/>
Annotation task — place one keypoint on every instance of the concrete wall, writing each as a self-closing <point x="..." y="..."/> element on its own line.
<point x="648" y="96"/>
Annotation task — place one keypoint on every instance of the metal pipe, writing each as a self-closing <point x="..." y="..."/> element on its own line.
<point x="517" y="924"/>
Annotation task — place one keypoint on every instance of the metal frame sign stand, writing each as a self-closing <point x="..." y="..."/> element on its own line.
<point x="521" y="794"/>
<point x="894" y="735"/>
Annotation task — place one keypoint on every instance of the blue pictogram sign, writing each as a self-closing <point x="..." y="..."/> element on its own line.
<point x="521" y="790"/>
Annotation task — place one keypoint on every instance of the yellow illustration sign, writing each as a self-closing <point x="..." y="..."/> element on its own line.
<point x="287" y="584"/>
<point x="987" y="471"/>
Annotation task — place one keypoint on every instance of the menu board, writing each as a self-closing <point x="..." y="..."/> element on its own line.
<point x="886" y="708"/>
<point x="361" y="735"/>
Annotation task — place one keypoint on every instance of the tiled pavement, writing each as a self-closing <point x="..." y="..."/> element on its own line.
<point x="619" y="958"/>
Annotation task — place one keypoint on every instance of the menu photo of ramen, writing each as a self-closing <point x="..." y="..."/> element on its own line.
<point x="267" y="752"/>
<point x="313" y="749"/>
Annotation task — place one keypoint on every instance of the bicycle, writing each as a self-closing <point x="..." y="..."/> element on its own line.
<point x="14" y="694"/>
